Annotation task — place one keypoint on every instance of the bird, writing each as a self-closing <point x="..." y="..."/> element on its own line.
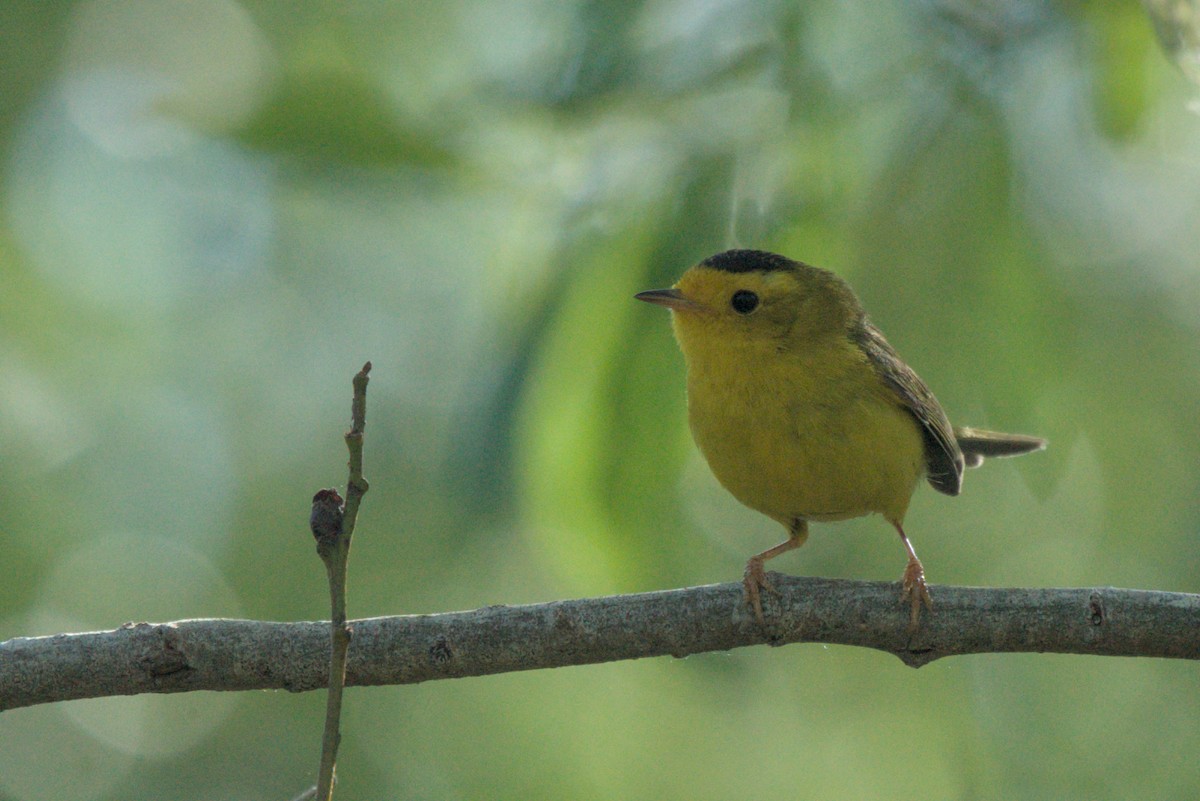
<point x="803" y="410"/>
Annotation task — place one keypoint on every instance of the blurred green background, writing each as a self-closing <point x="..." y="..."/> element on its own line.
<point x="212" y="213"/>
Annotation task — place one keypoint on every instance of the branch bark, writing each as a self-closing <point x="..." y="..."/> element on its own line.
<point x="222" y="654"/>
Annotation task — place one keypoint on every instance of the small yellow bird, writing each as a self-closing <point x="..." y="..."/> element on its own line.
<point x="804" y="411"/>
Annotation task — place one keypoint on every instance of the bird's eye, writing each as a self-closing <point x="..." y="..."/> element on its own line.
<point x="744" y="301"/>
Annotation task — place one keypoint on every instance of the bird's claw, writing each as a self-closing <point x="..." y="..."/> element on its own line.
<point x="915" y="592"/>
<point x="753" y="583"/>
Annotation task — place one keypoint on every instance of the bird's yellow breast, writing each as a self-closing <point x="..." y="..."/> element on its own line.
<point x="810" y="432"/>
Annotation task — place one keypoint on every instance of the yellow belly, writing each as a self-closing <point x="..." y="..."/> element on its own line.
<point x="802" y="441"/>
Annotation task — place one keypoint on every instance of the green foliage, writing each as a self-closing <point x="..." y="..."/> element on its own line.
<point x="212" y="214"/>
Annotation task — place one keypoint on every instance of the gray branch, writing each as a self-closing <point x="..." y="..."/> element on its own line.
<point x="222" y="654"/>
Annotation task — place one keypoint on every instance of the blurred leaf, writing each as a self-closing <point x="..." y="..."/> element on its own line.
<point x="333" y="116"/>
<point x="568" y="414"/>
<point x="1122" y="86"/>
<point x="32" y="29"/>
<point x="1177" y="25"/>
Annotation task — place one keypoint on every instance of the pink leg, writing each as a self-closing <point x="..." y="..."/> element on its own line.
<point x="755" y="578"/>
<point x="913" y="589"/>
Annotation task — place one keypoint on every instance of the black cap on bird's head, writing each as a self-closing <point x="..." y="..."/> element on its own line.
<point x="749" y="261"/>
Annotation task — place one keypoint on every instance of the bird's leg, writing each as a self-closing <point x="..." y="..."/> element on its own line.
<point x="755" y="579"/>
<point x="912" y="586"/>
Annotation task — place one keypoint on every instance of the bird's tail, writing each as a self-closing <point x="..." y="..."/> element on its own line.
<point x="977" y="444"/>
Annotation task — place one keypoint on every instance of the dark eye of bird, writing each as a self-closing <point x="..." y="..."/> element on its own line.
<point x="744" y="301"/>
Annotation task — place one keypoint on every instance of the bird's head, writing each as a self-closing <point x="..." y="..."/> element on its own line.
<point x="752" y="301"/>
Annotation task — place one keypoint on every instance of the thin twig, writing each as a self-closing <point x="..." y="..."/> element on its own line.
<point x="256" y="655"/>
<point x="333" y="527"/>
<point x="356" y="485"/>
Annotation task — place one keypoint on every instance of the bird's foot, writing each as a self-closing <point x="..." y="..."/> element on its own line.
<point x="753" y="583"/>
<point x="914" y="591"/>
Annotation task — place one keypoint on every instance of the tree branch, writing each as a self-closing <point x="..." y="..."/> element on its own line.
<point x="257" y="655"/>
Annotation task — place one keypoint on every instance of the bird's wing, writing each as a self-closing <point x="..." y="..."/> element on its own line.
<point x="943" y="459"/>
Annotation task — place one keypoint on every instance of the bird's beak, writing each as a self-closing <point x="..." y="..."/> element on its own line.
<point x="671" y="298"/>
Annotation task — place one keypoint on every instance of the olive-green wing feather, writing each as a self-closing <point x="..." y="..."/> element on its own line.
<point x="943" y="459"/>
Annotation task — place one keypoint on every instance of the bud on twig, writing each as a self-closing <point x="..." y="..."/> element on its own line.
<point x="326" y="519"/>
